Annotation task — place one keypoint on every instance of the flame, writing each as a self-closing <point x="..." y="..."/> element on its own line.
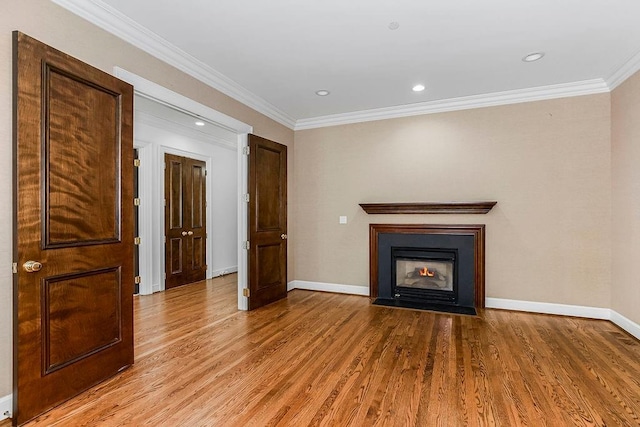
<point x="426" y="273"/>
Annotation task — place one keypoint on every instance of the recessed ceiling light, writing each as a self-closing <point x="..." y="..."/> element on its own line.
<point x="418" y="88"/>
<point x="394" y="25"/>
<point x="322" y="92"/>
<point x="533" y="57"/>
<point x="199" y="123"/>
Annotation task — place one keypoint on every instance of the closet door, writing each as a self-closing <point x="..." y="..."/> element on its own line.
<point x="185" y="220"/>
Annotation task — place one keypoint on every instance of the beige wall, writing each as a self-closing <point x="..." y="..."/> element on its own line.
<point x="625" y="167"/>
<point x="57" y="27"/>
<point x="546" y="163"/>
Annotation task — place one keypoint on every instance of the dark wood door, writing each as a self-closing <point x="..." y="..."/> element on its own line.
<point x="73" y="218"/>
<point x="136" y="222"/>
<point x="185" y="220"/>
<point x="267" y="221"/>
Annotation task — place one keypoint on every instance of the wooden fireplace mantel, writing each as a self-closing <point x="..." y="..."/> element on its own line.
<point x="428" y="208"/>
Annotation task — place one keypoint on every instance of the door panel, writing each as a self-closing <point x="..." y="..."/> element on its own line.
<point x="267" y="221"/>
<point x="268" y="260"/>
<point x="174" y="199"/>
<point x="185" y="194"/>
<point x="73" y="214"/>
<point x="198" y="196"/>
<point x="175" y="248"/>
<point x="87" y="300"/>
<point x="80" y="210"/>
<point x="197" y="253"/>
<point x="269" y="190"/>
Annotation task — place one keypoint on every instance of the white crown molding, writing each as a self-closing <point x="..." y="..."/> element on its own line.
<point x="6" y="406"/>
<point x="111" y="20"/>
<point x="628" y="69"/>
<point x="587" y="87"/>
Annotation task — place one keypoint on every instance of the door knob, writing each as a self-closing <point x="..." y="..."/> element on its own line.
<point x="190" y="233"/>
<point x="283" y="236"/>
<point x="184" y="233"/>
<point x="32" y="266"/>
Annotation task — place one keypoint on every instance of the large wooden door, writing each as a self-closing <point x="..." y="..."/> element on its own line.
<point x="136" y="221"/>
<point x="267" y="221"/>
<point x="73" y="217"/>
<point x="185" y="220"/>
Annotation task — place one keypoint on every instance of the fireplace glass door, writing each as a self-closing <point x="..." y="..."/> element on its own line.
<point x="424" y="274"/>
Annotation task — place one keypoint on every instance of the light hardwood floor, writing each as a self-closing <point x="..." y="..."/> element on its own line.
<point x="335" y="360"/>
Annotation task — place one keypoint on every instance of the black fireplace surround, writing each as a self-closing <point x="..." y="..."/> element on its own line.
<point x="450" y="286"/>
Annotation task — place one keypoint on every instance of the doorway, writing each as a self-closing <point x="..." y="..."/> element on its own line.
<point x="152" y="249"/>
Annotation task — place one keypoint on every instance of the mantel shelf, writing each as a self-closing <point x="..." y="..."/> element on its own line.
<point x="428" y="208"/>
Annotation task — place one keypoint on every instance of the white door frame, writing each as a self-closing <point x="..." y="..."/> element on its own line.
<point x="163" y="95"/>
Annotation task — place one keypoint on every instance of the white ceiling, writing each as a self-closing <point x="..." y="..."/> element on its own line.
<point x="183" y="123"/>
<point x="273" y="55"/>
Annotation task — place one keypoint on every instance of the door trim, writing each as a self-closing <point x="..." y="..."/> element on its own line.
<point x="161" y="94"/>
<point x="145" y="230"/>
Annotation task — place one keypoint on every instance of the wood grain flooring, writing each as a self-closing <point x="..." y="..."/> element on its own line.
<point x="320" y="359"/>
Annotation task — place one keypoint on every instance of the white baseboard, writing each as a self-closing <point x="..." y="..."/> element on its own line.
<point x="566" y="310"/>
<point x="223" y="271"/>
<point x="6" y="406"/>
<point x="215" y="273"/>
<point x="499" y="303"/>
<point x="328" y="287"/>
<point x="626" y="324"/>
<point x="549" y="308"/>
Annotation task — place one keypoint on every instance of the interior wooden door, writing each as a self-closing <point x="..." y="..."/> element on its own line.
<point x="73" y="227"/>
<point x="185" y="220"/>
<point x="136" y="222"/>
<point x="267" y="221"/>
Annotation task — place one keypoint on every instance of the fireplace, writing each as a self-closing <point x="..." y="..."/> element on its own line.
<point x="431" y="267"/>
<point x="418" y="273"/>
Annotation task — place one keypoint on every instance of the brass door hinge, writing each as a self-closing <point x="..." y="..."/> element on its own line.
<point x="136" y="163"/>
<point x="137" y="280"/>
<point x="136" y="201"/>
<point x="14" y="267"/>
<point x="136" y="241"/>
<point x="246" y="292"/>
